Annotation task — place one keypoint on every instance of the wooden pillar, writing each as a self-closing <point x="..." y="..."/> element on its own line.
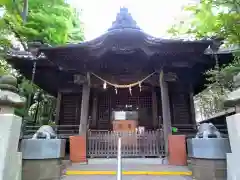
<point x="192" y="108"/>
<point x="78" y="144"/>
<point x="166" y="115"/>
<point x="84" y="109"/>
<point x="58" y="108"/>
<point x="94" y="109"/>
<point x="154" y="109"/>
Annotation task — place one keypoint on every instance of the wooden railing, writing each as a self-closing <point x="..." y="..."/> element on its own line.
<point x="134" y="144"/>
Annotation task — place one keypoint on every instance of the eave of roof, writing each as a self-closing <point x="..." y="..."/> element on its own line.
<point x="125" y="32"/>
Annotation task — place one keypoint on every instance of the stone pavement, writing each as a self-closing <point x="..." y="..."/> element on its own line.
<point x="137" y="164"/>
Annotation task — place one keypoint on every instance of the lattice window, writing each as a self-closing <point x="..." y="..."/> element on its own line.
<point x="108" y="101"/>
<point x="104" y="113"/>
<point x="70" y="112"/>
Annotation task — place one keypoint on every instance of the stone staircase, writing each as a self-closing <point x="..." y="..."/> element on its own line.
<point x="139" y="168"/>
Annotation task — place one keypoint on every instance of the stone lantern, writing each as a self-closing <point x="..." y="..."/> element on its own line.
<point x="10" y="128"/>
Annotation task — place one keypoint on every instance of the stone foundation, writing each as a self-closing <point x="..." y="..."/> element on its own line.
<point x="9" y="138"/>
<point x="209" y="169"/>
<point x="47" y="169"/>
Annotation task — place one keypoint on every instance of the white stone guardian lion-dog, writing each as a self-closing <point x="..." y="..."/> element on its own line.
<point x="206" y="129"/>
<point x="45" y="132"/>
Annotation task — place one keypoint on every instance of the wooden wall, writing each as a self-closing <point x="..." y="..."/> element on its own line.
<point x="180" y="100"/>
<point x="70" y="109"/>
<point x="109" y="101"/>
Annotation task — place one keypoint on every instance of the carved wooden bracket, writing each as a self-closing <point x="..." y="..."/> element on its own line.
<point x="81" y="79"/>
<point x="170" y="76"/>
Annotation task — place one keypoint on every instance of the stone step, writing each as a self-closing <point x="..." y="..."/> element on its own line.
<point x="124" y="177"/>
<point x="141" y="168"/>
<point x="126" y="167"/>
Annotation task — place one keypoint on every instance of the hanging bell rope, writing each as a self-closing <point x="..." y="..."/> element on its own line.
<point x="122" y="86"/>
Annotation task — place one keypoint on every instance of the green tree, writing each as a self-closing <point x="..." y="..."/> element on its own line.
<point x="214" y="18"/>
<point x="52" y="22"/>
<point x="211" y="18"/>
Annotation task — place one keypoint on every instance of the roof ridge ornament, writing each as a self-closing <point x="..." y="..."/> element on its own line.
<point x="124" y="20"/>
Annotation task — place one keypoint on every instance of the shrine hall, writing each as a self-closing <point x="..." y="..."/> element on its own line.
<point x="124" y="81"/>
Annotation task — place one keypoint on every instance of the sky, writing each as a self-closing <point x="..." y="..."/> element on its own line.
<point x="153" y="16"/>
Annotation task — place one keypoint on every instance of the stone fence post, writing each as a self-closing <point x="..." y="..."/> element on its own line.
<point x="10" y="128"/>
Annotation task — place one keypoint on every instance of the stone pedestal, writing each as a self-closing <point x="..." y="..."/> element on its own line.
<point x="10" y="127"/>
<point x="233" y="159"/>
<point x="9" y="138"/>
<point x="49" y="169"/>
<point x="209" y="169"/>
<point x="42" y="158"/>
<point x="233" y="125"/>
<point x="212" y="148"/>
<point x="208" y="158"/>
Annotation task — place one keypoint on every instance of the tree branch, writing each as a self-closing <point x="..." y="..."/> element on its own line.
<point x="16" y="7"/>
<point x="25" y="11"/>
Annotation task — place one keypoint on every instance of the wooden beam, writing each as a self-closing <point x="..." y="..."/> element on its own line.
<point x="79" y="79"/>
<point x="182" y="64"/>
<point x="165" y="110"/>
<point x="69" y="90"/>
<point x="170" y="77"/>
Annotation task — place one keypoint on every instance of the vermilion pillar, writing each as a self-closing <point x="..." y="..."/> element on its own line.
<point x="177" y="150"/>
